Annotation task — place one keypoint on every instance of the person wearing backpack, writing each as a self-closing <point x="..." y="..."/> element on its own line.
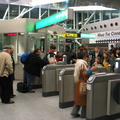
<point x="32" y="68"/>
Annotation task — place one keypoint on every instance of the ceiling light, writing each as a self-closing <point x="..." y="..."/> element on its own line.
<point x="38" y="2"/>
<point x="90" y="8"/>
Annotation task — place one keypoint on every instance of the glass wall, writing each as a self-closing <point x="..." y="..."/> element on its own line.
<point x="3" y="8"/>
<point x="44" y="13"/>
<point x="85" y="17"/>
<point x="53" y="12"/>
<point x="35" y="13"/>
<point x="115" y="14"/>
<point x="97" y="16"/>
<point x="26" y="8"/>
<point x="106" y="15"/>
<point x="14" y="11"/>
<point x="48" y="10"/>
<point x="69" y="24"/>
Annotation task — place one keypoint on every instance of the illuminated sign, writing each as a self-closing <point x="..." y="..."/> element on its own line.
<point x="70" y="35"/>
<point x="58" y="17"/>
<point x="84" y="35"/>
<point x="11" y="34"/>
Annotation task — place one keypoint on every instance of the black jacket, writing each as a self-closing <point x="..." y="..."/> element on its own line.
<point x="70" y="56"/>
<point x="34" y="64"/>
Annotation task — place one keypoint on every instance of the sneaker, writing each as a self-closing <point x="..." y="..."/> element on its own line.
<point x="31" y="91"/>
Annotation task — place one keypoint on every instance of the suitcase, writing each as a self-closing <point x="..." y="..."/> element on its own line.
<point x="22" y="87"/>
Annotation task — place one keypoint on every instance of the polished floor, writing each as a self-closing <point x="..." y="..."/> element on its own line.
<point x="32" y="106"/>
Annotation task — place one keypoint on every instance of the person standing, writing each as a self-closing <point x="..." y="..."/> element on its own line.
<point x="32" y="68"/>
<point x="81" y="74"/>
<point x="51" y="55"/>
<point x="71" y="55"/>
<point x="6" y="69"/>
<point x="94" y="54"/>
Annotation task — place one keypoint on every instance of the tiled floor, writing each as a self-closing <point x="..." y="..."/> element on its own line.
<point x="32" y="106"/>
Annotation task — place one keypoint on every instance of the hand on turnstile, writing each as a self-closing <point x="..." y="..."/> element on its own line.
<point x="52" y="61"/>
<point x="93" y="68"/>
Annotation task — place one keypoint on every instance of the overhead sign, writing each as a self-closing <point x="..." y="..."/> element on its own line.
<point x="84" y="35"/>
<point x="70" y="35"/>
<point x="105" y="36"/>
<point x="58" y="17"/>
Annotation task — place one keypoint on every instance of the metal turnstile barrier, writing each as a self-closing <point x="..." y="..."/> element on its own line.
<point x="101" y="103"/>
<point x="37" y="83"/>
<point x="66" y="88"/>
<point x="49" y="79"/>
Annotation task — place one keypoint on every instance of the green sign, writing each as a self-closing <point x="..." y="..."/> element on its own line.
<point x="84" y="35"/>
<point x="58" y="17"/>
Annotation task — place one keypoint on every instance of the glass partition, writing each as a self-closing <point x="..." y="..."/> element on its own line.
<point x="26" y="8"/>
<point x="106" y="15"/>
<point x="44" y="13"/>
<point x="14" y="11"/>
<point x="3" y="8"/>
<point x="115" y="14"/>
<point x="35" y="13"/>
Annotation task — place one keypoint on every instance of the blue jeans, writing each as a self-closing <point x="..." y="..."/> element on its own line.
<point x="28" y="79"/>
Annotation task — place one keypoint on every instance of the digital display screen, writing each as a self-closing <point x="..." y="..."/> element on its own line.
<point x="10" y="34"/>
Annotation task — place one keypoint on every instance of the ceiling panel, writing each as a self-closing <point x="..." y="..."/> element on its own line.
<point x="110" y="3"/>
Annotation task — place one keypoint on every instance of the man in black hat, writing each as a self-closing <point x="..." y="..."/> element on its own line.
<point x="6" y="70"/>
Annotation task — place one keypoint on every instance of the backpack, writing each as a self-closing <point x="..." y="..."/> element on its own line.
<point x="24" y="57"/>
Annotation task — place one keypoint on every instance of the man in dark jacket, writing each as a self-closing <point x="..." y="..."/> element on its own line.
<point x="71" y="56"/>
<point x="33" y="67"/>
<point x="96" y="53"/>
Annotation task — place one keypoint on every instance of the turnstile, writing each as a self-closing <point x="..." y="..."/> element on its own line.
<point x="67" y="86"/>
<point x="37" y="83"/>
<point x="101" y="104"/>
<point x="49" y="80"/>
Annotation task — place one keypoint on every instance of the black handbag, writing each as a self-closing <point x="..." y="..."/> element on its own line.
<point x="22" y="87"/>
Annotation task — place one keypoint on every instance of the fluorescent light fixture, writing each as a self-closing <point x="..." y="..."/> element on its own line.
<point x="90" y="8"/>
<point x="43" y="2"/>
